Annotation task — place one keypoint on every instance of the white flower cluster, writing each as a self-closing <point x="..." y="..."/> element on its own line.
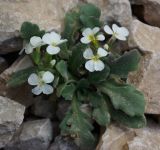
<point x="92" y="36"/>
<point x="43" y="79"/>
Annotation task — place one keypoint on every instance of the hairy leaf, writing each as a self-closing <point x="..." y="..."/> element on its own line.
<point x="125" y="64"/>
<point x="124" y="97"/>
<point x="20" y="77"/>
<point x="28" y="30"/>
<point x="62" y="69"/>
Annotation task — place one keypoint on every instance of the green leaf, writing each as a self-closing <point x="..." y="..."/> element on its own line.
<point x="100" y="111"/>
<point x="132" y="122"/>
<point x="99" y="76"/>
<point x="124" y="97"/>
<point x="125" y="64"/>
<point x="61" y="67"/>
<point x="66" y="90"/>
<point x="20" y="77"/>
<point x="82" y="84"/>
<point x="71" y="27"/>
<point x="90" y="22"/>
<point x="77" y="125"/>
<point x="76" y="59"/>
<point x="90" y="10"/>
<point x="28" y="30"/>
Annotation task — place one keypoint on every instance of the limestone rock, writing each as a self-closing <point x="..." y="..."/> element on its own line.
<point x="149" y="11"/>
<point x="115" y="138"/>
<point x="147" y="138"/>
<point x="115" y="10"/>
<point x="11" y="117"/>
<point x="62" y="143"/>
<point x="3" y="64"/>
<point x="146" y="38"/>
<point x="34" y="135"/>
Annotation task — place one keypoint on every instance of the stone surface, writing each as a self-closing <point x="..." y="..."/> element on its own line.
<point x="148" y="11"/>
<point x="44" y="108"/>
<point x="33" y="135"/>
<point x="147" y="78"/>
<point x="47" y="14"/>
<point x="26" y="97"/>
<point x="115" y="10"/>
<point x="11" y="117"/>
<point x="147" y="138"/>
<point x="145" y="37"/>
<point x="3" y="64"/>
<point x="62" y="143"/>
<point x="115" y="138"/>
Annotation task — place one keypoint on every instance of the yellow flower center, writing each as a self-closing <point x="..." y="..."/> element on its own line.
<point x="95" y="58"/>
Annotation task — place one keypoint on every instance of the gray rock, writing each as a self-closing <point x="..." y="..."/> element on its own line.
<point x="3" y="64"/>
<point x="147" y="78"/>
<point x="33" y="135"/>
<point x="10" y="42"/>
<point x="44" y="108"/>
<point x="62" y="143"/>
<point x="11" y="117"/>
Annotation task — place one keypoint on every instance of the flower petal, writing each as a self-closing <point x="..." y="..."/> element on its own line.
<point x="48" y="77"/>
<point x="47" y="89"/>
<point x="33" y="79"/>
<point x="120" y="37"/>
<point x="52" y="50"/>
<point x="89" y="65"/>
<point x="62" y="41"/>
<point x="35" y="41"/>
<point x="98" y="65"/>
<point x="85" y="40"/>
<point x="123" y="31"/>
<point x="115" y="28"/>
<point x="28" y="49"/>
<point x="96" y="30"/>
<point x="87" y="32"/>
<point x="108" y="30"/>
<point x="55" y="37"/>
<point x="102" y="52"/>
<point x="37" y="90"/>
<point x="47" y="38"/>
<point x="100" y="37"/>
<point x="88" y="53"/>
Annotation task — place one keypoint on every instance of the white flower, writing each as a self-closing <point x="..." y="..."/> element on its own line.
<point x="120" y="33"/>
<point x="106" y="46"/>
<point x="94" y="63"/>
<point x="53" y="40"/>
<point x="41" y="82"/>
<point x="90" y="35"/>
<point x="35" y="42"/>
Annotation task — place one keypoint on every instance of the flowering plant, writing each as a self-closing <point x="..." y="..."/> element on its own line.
<point x="82" y="66"/>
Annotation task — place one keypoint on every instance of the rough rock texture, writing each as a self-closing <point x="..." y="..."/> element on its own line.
<point x="61" y="143"/>
<point x="115" y="11"/>
<point x="11" y="117"/>
<point x="115" y="138"/>
<point x="147" y="78"/>
<point x="3" y="64"/>
<point x="148" y="10"/>
<point x="34" y="135"/>
<point x="47" y="14"/>
<point x="146" y="139"/>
